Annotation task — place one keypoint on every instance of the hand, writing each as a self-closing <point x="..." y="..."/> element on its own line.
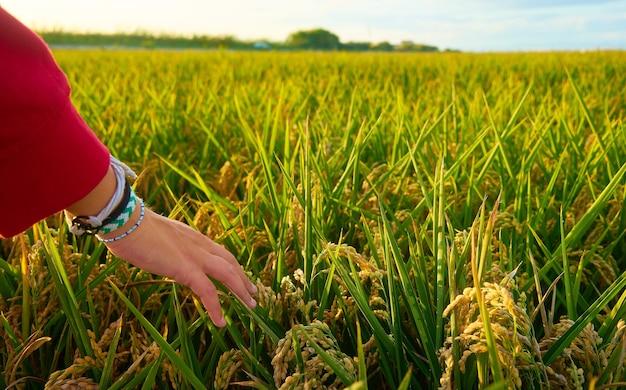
<point x="172" y="249"/>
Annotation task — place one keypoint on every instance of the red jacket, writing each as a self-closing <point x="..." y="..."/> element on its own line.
<point x="49" y="157"/>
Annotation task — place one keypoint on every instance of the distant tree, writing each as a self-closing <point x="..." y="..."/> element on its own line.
<point x="382" y="46"/>
<point x="426" y="48"/>
<point x="355" y="46"/>
<point x="317" y="39"/>
<point x="410" y="46"/>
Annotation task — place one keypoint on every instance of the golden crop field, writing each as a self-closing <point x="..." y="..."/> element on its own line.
<point x="412" y="221"/>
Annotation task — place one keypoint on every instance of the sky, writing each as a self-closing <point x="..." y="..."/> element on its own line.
<point x="467" y="25"/>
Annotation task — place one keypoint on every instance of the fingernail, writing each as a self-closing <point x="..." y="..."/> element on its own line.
<point x="220" y="323"/>
<point x="252" y="303"/>
<point x="254" y="289"/>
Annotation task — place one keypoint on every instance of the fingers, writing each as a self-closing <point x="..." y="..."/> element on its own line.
<point x="158" y="241"/>
<point x="205" y="289"/>
<point x="232" y="276"/>
<point x="227" y="273"/>
<point x="220" y="251"/>
<point x="202" y="286"/>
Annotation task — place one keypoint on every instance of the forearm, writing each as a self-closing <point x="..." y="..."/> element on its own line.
<point x="49" y="157"/>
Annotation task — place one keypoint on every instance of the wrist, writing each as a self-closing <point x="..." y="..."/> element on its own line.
<point x="98" y="198"/>
<point x="108" y="207"/>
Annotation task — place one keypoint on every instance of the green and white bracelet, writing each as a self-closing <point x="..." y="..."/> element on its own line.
<point x="122" y="218"/>
<point x="132" y="229"/>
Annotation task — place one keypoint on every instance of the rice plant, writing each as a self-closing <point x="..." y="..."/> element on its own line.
<point x="411" y="221"/>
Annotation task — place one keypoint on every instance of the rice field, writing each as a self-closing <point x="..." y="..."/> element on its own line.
<point x="412" y="221"/>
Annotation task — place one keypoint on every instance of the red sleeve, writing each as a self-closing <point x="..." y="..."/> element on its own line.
<point x="49" y="157"/>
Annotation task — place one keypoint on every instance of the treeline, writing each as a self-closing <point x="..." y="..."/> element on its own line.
<point x="317" y="39"/>
<point x="143" y="40"/>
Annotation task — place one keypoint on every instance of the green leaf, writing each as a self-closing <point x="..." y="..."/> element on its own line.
<point x="187" y="372"/>
<point x="589" y="315"/>
<point x="107" y="371"/>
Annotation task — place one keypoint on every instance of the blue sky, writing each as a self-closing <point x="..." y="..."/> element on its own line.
<point x="468" y="25"/>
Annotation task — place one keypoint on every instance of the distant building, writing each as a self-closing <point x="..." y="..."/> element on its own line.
<point x="262" y="46"/>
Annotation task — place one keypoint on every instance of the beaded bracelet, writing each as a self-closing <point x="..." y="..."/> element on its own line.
<point x="132" y="229"/>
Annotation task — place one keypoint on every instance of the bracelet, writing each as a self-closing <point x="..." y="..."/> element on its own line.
<point x="83" y="224"/>
<point x="132" y="229"/>
<point x="117" y="220"/>
<point x="109" y="217"/>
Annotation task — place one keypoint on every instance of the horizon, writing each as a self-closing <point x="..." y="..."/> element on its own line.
<point x="509" y="25"/>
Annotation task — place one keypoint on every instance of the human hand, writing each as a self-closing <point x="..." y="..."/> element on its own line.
<point x="172" y="249"/>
